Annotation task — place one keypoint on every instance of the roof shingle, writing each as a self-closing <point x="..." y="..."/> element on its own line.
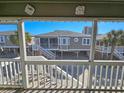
<point x="61" y="33"/>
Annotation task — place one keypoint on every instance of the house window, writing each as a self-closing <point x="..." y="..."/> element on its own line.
<point x="64" y="41"/>
<point x="2" y="39"/>
<point x="86" y="41"/>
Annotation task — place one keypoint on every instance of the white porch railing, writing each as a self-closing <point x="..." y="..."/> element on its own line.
<point x="117" y="51"/>
<point x="103" y="49"/>
<point x="64" y="74"/>
<point x="10" y="73"/>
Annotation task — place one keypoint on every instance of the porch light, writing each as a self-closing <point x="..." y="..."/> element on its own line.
<point x="29" y="9"/>
<point x="79" y="10"/>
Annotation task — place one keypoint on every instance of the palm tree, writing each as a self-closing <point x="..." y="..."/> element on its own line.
<point x="115" y="38"/>
<point x="105" y="43"/>
<point x="15" y="38"/>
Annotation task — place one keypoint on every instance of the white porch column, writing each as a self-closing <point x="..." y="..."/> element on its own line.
<point x="49" y="43"/>
<point x="93" y="40"/>
<point x="92" y="51"/>
<point x="1" y="73"/>
<point x="107" y="50"/>
<point x="58" y="43"/>
<point x="23" y="53"/>
<point x="77" y="54"/>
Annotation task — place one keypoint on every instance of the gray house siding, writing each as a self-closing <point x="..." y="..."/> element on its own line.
<point x="72" y="44"/>
<point x="65" y="40"/>
<point x="77" y="45"/>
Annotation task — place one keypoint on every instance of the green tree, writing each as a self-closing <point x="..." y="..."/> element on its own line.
<point x="105" y="41"/>
<point x="115" y="38"/>
<point x="15" y="38"/>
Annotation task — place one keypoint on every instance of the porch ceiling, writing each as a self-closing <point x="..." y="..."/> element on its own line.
<point x="63" y="8"/>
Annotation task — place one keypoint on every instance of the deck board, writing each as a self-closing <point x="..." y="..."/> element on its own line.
<point x="47" y="91"/>
<point x="37" y="91"/>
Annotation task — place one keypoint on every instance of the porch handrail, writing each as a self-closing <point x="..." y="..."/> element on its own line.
<point x="103" y="49"/>
<point x="118" y="54"/>
<point x="47" y="52"/>
<point x="76" y="62"/>
<point x="114" y="66"/>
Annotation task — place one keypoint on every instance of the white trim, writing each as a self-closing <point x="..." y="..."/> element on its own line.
<point x="67" y="40"/>
<point x="71" y="49"/>
<point x="79" y="62"/>
<point x="49" y="43"/>
<point x="86" y="43"/>
<point x="120" y="19"/>
<point x="10" y="46"/>
<point x="23" y="54"/>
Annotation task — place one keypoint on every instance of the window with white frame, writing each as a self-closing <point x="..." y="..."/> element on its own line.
<point x="86" y="41"/>
<point x="2" y="39"/>
<point x="64" y="41"/>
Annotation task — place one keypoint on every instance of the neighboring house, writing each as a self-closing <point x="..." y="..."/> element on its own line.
<point x="66" y="42"/>
<point x="106" y="48"/>
<point x="5" y="38"/>
<point x="7" y="48"/>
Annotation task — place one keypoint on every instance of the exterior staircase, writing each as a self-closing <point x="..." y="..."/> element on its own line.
<point x="118" y="55"/>
<point x="46" y="53"/>
<point x="103" y="49"/>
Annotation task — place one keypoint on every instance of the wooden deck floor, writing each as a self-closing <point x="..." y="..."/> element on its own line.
<point x="49" y="91"/>
<point x="37" y="91"/>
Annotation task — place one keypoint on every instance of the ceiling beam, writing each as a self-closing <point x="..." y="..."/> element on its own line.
<point x="96" y="9"/>
<point x="64" y="1"/>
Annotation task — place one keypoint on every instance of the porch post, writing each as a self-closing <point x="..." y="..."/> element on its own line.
<point x="49" y="43"/>
<point x="77" y="54"/>
<point x="23" y="53"/>
<point x="58" y="43"/>
<point x="93" y="41"/>
<point x="92" y="51"/>
<point x="1" y="73"/>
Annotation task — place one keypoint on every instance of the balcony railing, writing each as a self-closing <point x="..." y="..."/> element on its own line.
<point x="50" y="46"/>
<point x="10" y="73"/>
<point x="117" y="52"/>
<point x="63" y="74"/>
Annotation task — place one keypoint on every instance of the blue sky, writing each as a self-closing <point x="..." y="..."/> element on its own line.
<point x="44" y="27"/>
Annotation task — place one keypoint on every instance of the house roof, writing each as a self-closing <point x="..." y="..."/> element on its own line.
<point x="60" y="33"/>
<point x="7" y="33"/>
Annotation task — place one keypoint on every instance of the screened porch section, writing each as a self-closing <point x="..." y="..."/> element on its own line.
<point x="49" y="43"/>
